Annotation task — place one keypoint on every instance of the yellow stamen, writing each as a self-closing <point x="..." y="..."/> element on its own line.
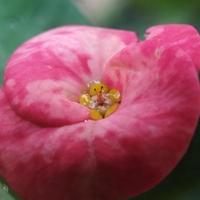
<point x="85" y="99"/>
<point x="101" y="100"/>
<point x="111" y="109"/>
<point x="115" y="95"/>
<point x="97" y="88"/>
<point x="95" y="114"/>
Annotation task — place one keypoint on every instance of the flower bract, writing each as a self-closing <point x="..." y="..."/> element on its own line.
<point x="62" y="139"/>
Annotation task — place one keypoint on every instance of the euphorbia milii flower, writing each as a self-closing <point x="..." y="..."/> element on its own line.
<point x="50" y="146"/>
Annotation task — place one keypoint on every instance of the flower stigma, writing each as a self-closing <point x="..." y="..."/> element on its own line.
<point x="100" y="99"/>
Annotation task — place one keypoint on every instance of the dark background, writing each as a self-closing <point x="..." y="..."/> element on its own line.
<point x="22" y="19"/>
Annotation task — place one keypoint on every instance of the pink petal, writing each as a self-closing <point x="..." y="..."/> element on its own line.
<point x="45" y="76"/>
<point x="45" y="163"/>
<point x="155" y="122"/>
<point x="51" y="163"/>
<point x="184" y="36"/>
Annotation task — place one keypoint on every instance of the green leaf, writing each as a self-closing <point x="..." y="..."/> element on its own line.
<point x="5" y="193"/>
<point x="22" y="19"/>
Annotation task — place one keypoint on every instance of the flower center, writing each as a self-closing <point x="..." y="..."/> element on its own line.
<point x="100" y="99"/>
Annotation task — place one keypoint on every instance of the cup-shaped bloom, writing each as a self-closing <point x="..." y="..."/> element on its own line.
<point x="51" y="149"/>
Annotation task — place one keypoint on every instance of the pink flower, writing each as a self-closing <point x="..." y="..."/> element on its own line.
<point x="51" y="150"/>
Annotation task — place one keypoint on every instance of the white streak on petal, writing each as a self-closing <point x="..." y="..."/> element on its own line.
<point x="16" y="100"/>
<point x="10" y="83"/>
<point x="180" y="53"/>
<point x="155" y="32"/>
<point x="50" y="95"/>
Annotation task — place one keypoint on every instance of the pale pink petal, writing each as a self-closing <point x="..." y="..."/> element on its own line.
<point x="184" y="36"/>
<point x="45" y="76"/>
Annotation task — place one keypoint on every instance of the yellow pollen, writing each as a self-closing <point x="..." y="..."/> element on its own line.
<point x="100" y="99"/>
<point x="85" y="99"/>
<point x="111" y="109"/>
<point x="115" y="95"/>
<point x="95" y="114"/>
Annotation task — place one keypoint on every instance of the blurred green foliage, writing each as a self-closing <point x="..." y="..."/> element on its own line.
<point x="140" y="14"/>
<point x="5" y="193"/>
<point x="22" y="19"/>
